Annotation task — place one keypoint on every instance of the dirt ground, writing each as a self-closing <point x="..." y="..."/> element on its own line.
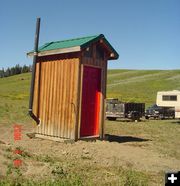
<point x="120" y="149"/>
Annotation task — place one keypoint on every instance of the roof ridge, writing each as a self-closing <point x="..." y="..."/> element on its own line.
<point x="75" y="38"/>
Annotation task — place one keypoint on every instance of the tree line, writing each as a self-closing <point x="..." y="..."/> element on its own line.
<point x="15" y="70"/>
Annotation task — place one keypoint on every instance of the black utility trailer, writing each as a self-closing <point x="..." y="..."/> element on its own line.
<point x="117" y="109"/>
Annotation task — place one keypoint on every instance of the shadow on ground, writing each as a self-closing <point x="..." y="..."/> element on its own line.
<point x="131" y="121"/>
<point x="176" y="122"/>
<point x="123" y="139"/>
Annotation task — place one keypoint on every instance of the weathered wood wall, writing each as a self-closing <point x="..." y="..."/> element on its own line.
<point x="102" y="64"/>
<point x="56" y="105"/>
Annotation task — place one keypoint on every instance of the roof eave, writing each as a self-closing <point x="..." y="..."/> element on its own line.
<point x="56" y="51"/>
<point x="113" y="51"/>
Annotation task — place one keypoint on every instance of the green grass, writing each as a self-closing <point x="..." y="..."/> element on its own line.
<point x="86" y="176"/>
<point x="14" y="95"/>
<point x="141" y="85"/>
<point x="67" y="171"/>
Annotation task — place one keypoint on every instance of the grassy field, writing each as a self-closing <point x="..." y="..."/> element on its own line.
<point x="14" y="95"/>
<point x="141" y="85"/>
<point x="133" y="154"/>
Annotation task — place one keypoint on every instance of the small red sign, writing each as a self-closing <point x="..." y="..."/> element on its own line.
<point x="17" y="132"/>
<point x="17" y="136"/>
<point x="17" y="151"/>
<point x="17" y="162"/>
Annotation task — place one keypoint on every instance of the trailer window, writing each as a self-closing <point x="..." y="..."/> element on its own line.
<point x="169" y="98"/>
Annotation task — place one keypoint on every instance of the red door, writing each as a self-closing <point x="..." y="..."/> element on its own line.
<point x="90" y="101"/>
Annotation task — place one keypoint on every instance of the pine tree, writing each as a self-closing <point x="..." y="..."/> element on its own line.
<point x="17" y="69"/>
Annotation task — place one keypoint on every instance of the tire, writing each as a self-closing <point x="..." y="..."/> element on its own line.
<point x="146" y="117"/>
<point x="161" y="117"/>
<point x="111" y="118"/>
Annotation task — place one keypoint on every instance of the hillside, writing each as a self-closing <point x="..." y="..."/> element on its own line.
<point x="127" y="85"/>
<point x="141" y="85"/>
<point x="14" y="95"/>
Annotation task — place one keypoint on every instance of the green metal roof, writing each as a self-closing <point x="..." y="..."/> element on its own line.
<point x="81" y="42"/>
<point x="67" y="43"/>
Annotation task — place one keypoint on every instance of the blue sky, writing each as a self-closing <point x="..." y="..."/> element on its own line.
<point x="146" y="33"/>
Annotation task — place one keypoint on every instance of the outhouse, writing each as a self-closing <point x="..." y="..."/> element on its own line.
<point x="70" y="87"/>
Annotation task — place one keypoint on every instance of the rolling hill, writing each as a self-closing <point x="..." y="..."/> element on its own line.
<point x="141" y="85"/>
<point x="127" y="85"/>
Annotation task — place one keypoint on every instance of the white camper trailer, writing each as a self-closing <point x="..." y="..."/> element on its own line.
<point x="169" y="99"/>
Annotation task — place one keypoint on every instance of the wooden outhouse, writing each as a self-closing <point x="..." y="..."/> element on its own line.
<point x="70" y="87"/>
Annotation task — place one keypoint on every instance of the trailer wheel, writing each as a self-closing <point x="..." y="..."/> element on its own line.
<point x="135" y="116"/>
<point x="111" y="118"/>
<point x="161" y="117"/>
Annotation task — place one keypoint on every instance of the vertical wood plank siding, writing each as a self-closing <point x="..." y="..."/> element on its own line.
<point x="57" y="101"/>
